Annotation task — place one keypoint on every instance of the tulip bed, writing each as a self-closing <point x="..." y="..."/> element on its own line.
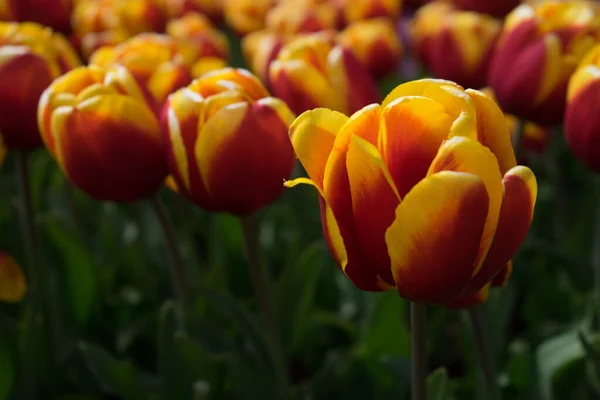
<point x="299" y="199"/>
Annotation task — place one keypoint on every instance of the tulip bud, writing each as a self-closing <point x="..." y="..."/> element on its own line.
<point x="537" y="52"/>
<point x="301" y="16"/>
<point x="13" y="286"/>
<point x="245" y="16"/>
<point x="227" y="142"/>
<point x="455" y="45"/>
<point x="496" y="8"/>
<point x="31" y="56"/>
<point x="312" y="71"/>
<point x="421" y="193"/>
<point x="54" y="14"/>
<point x="198" y="29"/>
<point x="104" y="136"/>
<point x="358" y="10"/>
<point x="375" y="43"/>
<point x="260" y="48"/>
<point x="582" y="121"/>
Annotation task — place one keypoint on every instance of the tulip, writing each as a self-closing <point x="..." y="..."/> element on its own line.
<point x="213" y="9"/>
<point x="537" y="52"/>
<point x="198" y="29"/>
<point x="582" y="122"/>
<point x="227" y="142"/>
<point x="245" y="16"/>
<point x="160" y="63"/>
<point x="496" y="8"/>
<point x="97" y="124"/>
<point x="421" y="193"/>
<point x="31" y="56"/>
<point x="375" y="43"/>
<point x="455" y="45"/>
<point x="13" y="286"/>
<point x="51" y="13"/>
<point x="358" y="10"/>
<point x="260" y="49"/>
<point x="301" y="16"/>
<point x="312" y="71"/>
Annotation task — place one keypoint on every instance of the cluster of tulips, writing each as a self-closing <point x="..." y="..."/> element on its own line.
<point x="420" y="189"/>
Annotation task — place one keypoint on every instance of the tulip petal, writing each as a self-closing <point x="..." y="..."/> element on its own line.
<point x="414" y="88"/>
<point x="13" y="286"/>
<point x="472" y="300"/>
<point x="461" y="154"/>
<point x="520" y="192"/>
<point x="492" y="130"/>
<point x="502" y="277"/>
<point x="412" y="131"/>
<point x="374" y="201"/>
<point x="458" y="106"/>
<point x="313" y="134"/>
<point x="434" y="240"/>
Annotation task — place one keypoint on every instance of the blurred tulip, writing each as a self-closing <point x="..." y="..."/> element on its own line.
<point x="496" y="8"/>
<point x="109" y="22"/>
<point x="260" y="48"/>
<point x="227" y="142"/>
<point x="455" y="45"/>
<point x="54" y="14"/>
<point x="159" y="62"/>
<point x="421" y="192"/>
<point x="582" y="119"/>
<point x="358" y="10"/>
<point x="312" y="71"/>
<point x="245" y="16"/>
<point x="375" y="43"/>
<point x="538" y="50"/>
<point x="13" y="286"/>
<point x="31" y="56"/>
<point x="198" y="29"/>
<point x="301" y="16"/>
<point x="213" y="9"/>
<point x="106" y="139"/>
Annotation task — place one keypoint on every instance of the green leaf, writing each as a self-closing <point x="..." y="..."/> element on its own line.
<point x="175" y="384"/>
<point x="437" y="385"/>
<point x="7" y="366"/>
<point x="200" y="363"/>
<point x="520" y="365"/>
<point x="114" y="377"/>
<point x="78" y="271"/>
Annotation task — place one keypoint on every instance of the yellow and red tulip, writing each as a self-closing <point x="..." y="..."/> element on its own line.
<point x="375" y="43"/>
<point x="159" y="62"/>
<point x="421" y="193"/>
<point x="538" y="51"/>
<point x="582" y="121"/>
<point x="260" y="48"/>
<point x="31" y="56"/>
<point x="245" y="16"/>
<point x="198" y="29"/>
<point x="54" y="14"/>
<point x="453" y="44"/>
<point x="227" y="142"/>
<point x="301" y="16"/>
<point x="213" y="9"/>
<point x="496" y="8"/>
<point x="358" y="10"/>
<point x="13" y="286"/>
<point x="97" y="124"/>
<point x="312" y="71"/>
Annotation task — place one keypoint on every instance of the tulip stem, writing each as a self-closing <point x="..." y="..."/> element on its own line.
<point x="518" y="138"/>
<point x="485" y="358"/>
<point x="178" y="271"/>
<point x="260" y="282"/>
<point x="418" y="334"/>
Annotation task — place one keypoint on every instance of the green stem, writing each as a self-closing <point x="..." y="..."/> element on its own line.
<point x="418" y="334"/>
<point x="38" y="343"/>
<point x="483" y="352"/>
<point x="262" y="293"/>
<point x="178" y="271"/>
<point x="518" y="138"/>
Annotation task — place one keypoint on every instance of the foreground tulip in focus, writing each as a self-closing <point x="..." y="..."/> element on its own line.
<point x="313" y="71"/>
<point x="227" y="142"/>
<point x="537" y="52"/>
<point x="421" y="193"/>
<point x="31" y="56"/>
<point x="99" y="127"/>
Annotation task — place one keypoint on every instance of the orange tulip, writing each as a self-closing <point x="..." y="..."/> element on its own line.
<point x="301" y="16"/>
<point x="312" y="71"/>
<point x="54" y="14"/>
<point x="453" y="44"/>
<point x="97" y="124"/>
<point x="245" y="16"/>
<point x="159" y="62"/>
<point x="538" y="51"/>
<point x="421" y="193"/>
<point x="375" y="43"/>
<point x="582" y="122"/>
<point x="358" y="10"/>
<point x="198" y="29"/>
<point x="227" y="142"/>
<point x="496" y="8"/>
<point x="31" y="56"/>
<point x="13" y="286"/>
